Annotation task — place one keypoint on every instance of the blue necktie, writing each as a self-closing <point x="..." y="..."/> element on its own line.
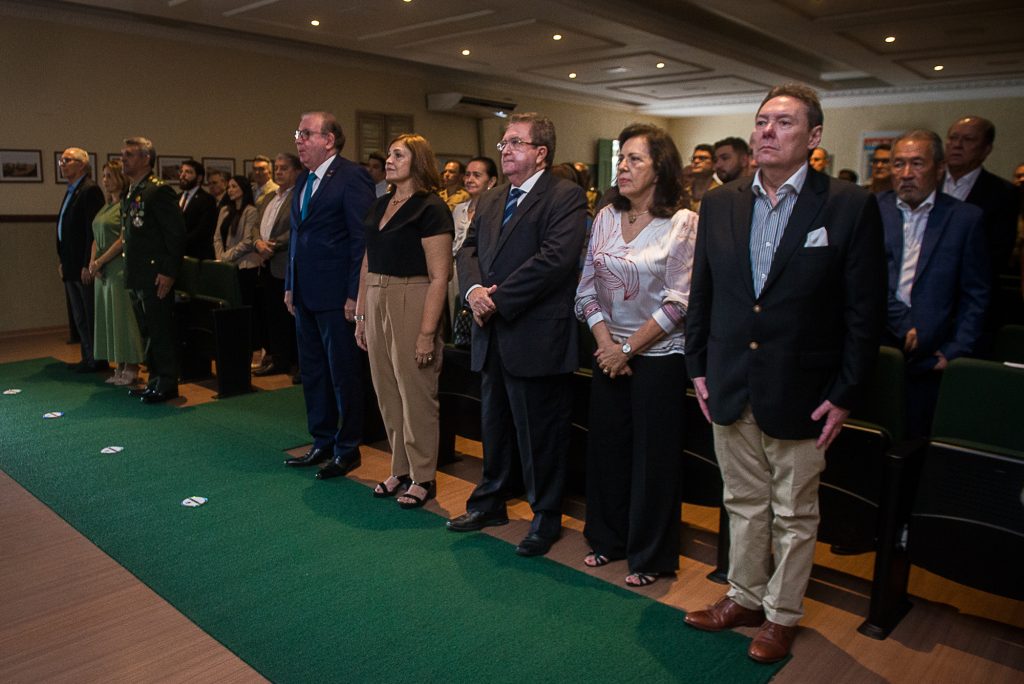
<point x="308" y="195"/>
<point x="510" y="205"/>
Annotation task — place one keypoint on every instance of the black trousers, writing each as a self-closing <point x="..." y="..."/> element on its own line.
<point x="156" y="323"/>
<point x="80" y="297"/>
<point x="634" y="454"/>
<point x="528" y="416"/>
<point x="279" y="325"/>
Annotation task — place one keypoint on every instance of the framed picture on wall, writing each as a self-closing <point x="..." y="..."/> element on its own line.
<point x="111" y="156"/>
<point x="167" y="168"/>
<point x="58" y="177"/>
<point x="21" y="166"/>
<point x="225" y="165"/>
<point x="247" y="168"/>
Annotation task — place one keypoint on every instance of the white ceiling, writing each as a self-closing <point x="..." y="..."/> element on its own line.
<point x="717" y="55"/>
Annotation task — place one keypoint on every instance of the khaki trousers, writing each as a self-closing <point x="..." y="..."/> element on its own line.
<point x="406" y="393"/>
<point x="771" y="495"/>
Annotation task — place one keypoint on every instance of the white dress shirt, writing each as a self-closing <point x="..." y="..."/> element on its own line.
<point x="961" y="187"/>
<point x="320" y="172"/>
<point x="914" y="222"/>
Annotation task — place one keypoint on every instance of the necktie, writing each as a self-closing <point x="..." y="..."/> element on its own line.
<point x="510" y="205"/>
<point x="308" y="194"/>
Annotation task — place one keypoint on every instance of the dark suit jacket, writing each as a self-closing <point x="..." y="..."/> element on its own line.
<point x="1000" y="202"/>
<point x="200" y="221"/>
<point x="154" y="233"/>
<point x="813" y="334"/>
<point x="952" y="283"/>
<point x="533" y="261"/>
<point x="280" y="235"/>
<point x="75" y="246"/>
<point x="325" y="252"/>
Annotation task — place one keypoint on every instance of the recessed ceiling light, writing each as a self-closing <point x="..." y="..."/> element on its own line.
<point x="890" y="39"/>
<point x="465" y="53"/>
<point x="938" y="67"/>
<point x="557" y="36"/>
<point x="315" y="22"/>
<point x="659" y="65"/>
<point x="572" y="74"/>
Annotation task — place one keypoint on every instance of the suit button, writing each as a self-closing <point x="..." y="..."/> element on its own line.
<point x="757" y="308"/>
<point x="754" y="346"/>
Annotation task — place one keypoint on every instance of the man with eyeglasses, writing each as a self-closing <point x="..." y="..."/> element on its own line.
<point x="325" y="252"/>
<point x="703" y="178"/>
<point x="517" y="272"/>
<point x="154" y="243"/>
<point x="82" y="200"/>
<point x="881" y="172"/>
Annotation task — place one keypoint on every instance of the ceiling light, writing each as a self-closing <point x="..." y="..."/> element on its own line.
<point x="617" y="70"/>
<point x="938" y="67"/>
<point x="557" y="36"/>
<point x="315" y="22"/>
<point x="659" y="65"/>
<point x="465" y="53"/>
<point x="890" y="39"/>
<point x="572" y="74"/>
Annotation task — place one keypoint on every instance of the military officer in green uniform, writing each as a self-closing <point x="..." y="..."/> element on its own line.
<point x="154" y="242"/>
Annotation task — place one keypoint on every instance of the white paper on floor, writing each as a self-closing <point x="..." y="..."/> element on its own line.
<point x="12" y="391"/>
<point x="194" y="501"/>
<point x="53" y="414"/>
<point x="112" y="450"/>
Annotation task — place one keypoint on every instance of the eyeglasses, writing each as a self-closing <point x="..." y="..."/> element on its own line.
<point x="515" y="143"/>
<point x="64" y="161"/>
<point x="305" y="134"/>
<point x="879" y="161"/>
<point x="696" y="158"/>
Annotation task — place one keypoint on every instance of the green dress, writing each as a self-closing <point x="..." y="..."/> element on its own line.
<point x="117" y="331"/>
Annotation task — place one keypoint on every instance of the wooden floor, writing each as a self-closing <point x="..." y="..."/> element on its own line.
<point x="69" y="613"/>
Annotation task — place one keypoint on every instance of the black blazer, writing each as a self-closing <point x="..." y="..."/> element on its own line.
<point x="1000" y="202"/>
<point x="200" y="221"/>
<point x="533" y="261"/>
<point x="74" y="247"/>
<point x="813" y="334"/>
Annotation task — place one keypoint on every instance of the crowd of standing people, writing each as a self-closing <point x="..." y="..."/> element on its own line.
<point x="750" y="270"/>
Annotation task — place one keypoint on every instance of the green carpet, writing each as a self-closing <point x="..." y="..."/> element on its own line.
<point x="318" y="581"/>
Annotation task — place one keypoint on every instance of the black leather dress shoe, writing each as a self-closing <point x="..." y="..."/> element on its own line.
<point x="338" y="467"/>
<point x="311" y="457"/>
<point x="138" y="392"/>
<point x="535" y="545"/>
<point x="470" y="521"/>
<point x="155" y="397"/>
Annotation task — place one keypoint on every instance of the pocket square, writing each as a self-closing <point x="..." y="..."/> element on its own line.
<point x="817" y="238"/>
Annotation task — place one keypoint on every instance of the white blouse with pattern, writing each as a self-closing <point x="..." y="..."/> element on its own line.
<point x="625" y="285"/>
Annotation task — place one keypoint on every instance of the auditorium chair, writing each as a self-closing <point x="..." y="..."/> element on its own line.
<point x="214" y="326"/>
<point x="953" y="504"/>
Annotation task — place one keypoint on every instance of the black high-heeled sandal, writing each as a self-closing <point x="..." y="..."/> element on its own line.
<point x="417" y="502"/>
<point x="388" y="493"/>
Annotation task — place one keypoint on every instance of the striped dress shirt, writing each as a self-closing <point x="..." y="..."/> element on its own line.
<point x="769" y="223"/>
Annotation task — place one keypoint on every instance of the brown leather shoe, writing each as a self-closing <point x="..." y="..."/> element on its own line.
<point x="772" y="642"/>
<point x="725" y="614"/>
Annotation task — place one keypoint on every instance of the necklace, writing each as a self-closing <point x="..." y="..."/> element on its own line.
<point x="632" y="216"/>
<point x="395" y="202"/>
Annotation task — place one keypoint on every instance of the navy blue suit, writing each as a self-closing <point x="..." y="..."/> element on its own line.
<point x="951" y="292"/>
<point x="325" y="253"/>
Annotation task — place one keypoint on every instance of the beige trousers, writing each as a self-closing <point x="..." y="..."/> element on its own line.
<point x="771" y="495"/>
<point x="406" y="393"/>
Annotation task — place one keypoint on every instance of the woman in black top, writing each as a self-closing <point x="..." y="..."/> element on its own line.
<point x="402" y="289"/>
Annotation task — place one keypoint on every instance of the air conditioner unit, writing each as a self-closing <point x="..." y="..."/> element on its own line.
<point x="469" y="105"/>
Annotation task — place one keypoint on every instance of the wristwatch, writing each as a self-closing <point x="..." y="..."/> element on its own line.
<point x="627" y="348"/>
